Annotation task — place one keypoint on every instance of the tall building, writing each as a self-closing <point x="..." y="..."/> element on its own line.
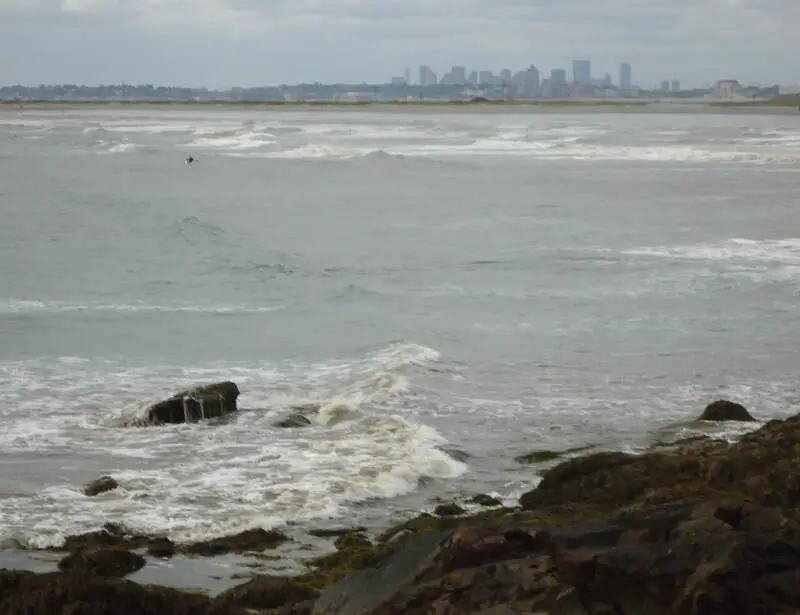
<point x="625" y="81"/>
<point x="676" y="85"/>
<point x="505" y="75"/>
<point x="558" y="75"/>
<point x="485" y="77"/>
<point x="407" y="76"/>
<point x="426" y="76"/>
<point x="582" y="71"/>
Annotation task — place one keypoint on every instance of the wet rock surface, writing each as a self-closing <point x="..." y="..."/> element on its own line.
<point x="100" y="485"/>
<point x="112" y="562"/>
<point x="724" y="410"/>
<point x="196" y="404"/>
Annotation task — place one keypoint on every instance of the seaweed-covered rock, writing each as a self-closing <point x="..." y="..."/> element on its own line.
<point x="112" y="562"/>
<point x="449" y="510"/>
<point x="484" y="500"/>
<point x="24" y="593"/>
<point x="268" y="592"/>
<point x="724" y="410"/>
<point x="249" y="540"/>
<point x="100" y="485"/>
<point x="199" y="403"/>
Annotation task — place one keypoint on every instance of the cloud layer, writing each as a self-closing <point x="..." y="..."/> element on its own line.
<point x="256" y="42"/>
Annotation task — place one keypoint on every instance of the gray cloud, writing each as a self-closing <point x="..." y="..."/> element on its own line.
<point x="248" y="42"/>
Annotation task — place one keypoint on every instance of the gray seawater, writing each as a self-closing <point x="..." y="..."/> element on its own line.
<point x="494" y="282"/>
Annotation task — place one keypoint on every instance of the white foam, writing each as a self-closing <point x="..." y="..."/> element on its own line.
<point x="779" y="251"/>
<point x="27" y="306"/>
<point x="200" y="481"/>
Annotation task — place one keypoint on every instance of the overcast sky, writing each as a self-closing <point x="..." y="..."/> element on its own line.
<point x="220" y="43"/>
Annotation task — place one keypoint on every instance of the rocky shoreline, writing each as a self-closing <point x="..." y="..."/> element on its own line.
<point x="697" y="526"/>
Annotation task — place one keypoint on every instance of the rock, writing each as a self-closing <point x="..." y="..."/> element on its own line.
<point x="111" y="535"/>
<point x="652" y="562"/>
<point x="352" y="541"/>
<point x="161" y="547"/>
<point x="723" y="410"/>
<point x="484" y="500"/>
<point x="448" y="510"/>
<point x="202" y="402"/>
<point x="249" y="540"/>
<point x="294" y="420"/>
<point x="100" y="485"/>
<point x="336" y="532"/>
<point x="26" y="593"/>
<point x="456" y="454"/>
<point x="268" y="592"/>
<point x="104" y="562"/>
<point x="543" y="456"/>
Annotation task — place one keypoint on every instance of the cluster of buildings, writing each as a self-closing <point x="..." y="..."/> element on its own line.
<point x="530" y="83"/>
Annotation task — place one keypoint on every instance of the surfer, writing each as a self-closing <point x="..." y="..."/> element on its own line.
<point x="190" y="159"/>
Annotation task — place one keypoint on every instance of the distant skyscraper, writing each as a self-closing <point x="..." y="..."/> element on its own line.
<point x="625" y="76"/>
<point x="581" y="71"/>
<point x="505" y="75"/>
<point x="426" y="76"/>
<point x="665" y="85"/>
<point x="407" y="76"/>
<point x="558" y="75"/>
<point x="676" y="85"/>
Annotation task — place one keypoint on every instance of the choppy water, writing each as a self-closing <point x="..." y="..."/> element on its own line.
<point x="494" y="282"/>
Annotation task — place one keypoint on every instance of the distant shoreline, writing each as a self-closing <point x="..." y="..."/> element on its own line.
<point x="785" y="105"/>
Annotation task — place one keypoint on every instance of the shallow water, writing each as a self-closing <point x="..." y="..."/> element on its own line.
<point x="491" y="282"/>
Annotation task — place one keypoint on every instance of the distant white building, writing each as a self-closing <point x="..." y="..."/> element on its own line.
<point x="727" y="88"/>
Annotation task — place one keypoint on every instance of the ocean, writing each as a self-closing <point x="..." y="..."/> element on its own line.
<point x="455" y="287"/>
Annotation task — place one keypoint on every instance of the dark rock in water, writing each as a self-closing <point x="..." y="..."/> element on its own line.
<point x="336" y="532"/>
<point x="111" y="535"/>
<point x="485" y="500"/>
<point x="249" y="540"/>
<point x="267" y="592"/>
<point x="723" y="410"/>
<point x="161" y="547"/>
<point x="56" y="593"/>
<point x="448" y="510"/>
<point x="542" y="456"/>
<point x="101" y="485"/>
<point x="352" y="541"/>
<point x="456" y="454"/>
<point x="104" y="562"/>
<point x="202" y="402"/>
<point x="294" y="420"/>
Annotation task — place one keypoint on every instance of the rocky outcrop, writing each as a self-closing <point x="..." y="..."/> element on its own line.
<point x="202" y="402"/>
<point x="250" y="540"/>
<point x="26" y="593"/>
<point x="723" y="410"/>
<point x="100" y="485"/>
<point x="113" y="562"/>
<point x="688" y="558"/>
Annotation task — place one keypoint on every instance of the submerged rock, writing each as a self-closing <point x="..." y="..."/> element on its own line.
<point x="293" y="420"/>
<point x="199" y="403"/>
<point x="544" y="455"/>
<point x="113" y="562"/>
<point x="100" y="485"/>
<point x="484" y="500"/>
<point x="723" y="410"/>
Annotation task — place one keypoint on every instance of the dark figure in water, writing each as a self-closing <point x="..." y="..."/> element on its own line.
<point x="190" y="160"/>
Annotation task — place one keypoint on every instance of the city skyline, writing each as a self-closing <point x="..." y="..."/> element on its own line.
<point x="224" y="43"/>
